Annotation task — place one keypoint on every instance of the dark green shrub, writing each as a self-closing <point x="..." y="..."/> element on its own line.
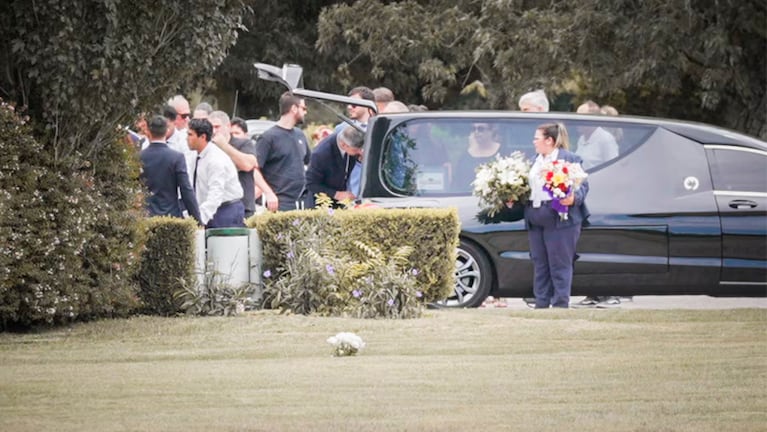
<point x="167" y="262"/>
<point x="59" y="261"/>
<point x="349" y="262"/>
<point x="110" y="257"/>
<point x="432" y="233"/>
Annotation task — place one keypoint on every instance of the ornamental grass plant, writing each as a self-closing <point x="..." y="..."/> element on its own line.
<point x="451" y="370"/>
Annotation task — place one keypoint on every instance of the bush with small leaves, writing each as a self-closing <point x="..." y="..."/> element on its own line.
<point x="51" y="223"/>
<point x="346" y="263"/>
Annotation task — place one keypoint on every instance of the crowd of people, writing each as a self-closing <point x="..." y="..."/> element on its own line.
<point x="202" y="164"/>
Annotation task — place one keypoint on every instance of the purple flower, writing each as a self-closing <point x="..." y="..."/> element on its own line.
<point x="279" y="236"/>
<point x="414" y="272"/>
<point x="390" y="302"/>
<point x="418" y="294"/>
<point x="268" y="274"/>
<point x="290" y="255"/>
<point x="330" y="212"/>
<point x="329" y="268"/>
<point x="296" y="222"/>
<point x="357" y="293"/>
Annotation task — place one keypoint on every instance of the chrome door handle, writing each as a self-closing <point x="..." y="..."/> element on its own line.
<point x="742" y="204"/>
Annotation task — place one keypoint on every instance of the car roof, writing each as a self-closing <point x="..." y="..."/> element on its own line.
<point x="700" y="132"/>
<point x="259" y="124"/>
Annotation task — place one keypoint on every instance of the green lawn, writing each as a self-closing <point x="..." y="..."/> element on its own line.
<point x="467" y="370"/>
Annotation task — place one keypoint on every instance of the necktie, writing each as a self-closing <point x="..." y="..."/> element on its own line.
<point x="194" y="177"/>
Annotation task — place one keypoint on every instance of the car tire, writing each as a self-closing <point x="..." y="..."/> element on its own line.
<point x="473" y="277"/>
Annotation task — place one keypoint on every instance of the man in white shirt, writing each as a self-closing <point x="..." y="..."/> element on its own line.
<point x="177" y="139"/>
<point x="595" y="144"/>
<point x="214" y="180"/>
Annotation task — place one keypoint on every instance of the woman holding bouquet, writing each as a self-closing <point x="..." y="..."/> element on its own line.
<point x="554" y="215"/>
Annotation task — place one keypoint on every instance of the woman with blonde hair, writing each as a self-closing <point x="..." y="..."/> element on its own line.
<point x="553" y="238"/>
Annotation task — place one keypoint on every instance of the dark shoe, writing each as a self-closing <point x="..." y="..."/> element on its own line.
<point x="529" y="301"/>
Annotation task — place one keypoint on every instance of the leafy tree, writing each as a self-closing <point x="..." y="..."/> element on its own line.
<point x="82" y="69"/>
<point x="423" y="50"/>
<point x="694" y="60"/>
<point x="278" y="32"/>
<point x="691" y="60"/>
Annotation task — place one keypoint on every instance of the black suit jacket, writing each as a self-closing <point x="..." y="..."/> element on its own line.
<point x="163" y="171"/>
<point x="328" y="169"/>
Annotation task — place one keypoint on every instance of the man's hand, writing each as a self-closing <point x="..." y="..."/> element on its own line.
<point x="272" y="202"/>
<point x="222" y="137"/>
<point x="344" y="195"/>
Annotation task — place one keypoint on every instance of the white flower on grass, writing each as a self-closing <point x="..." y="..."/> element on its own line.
<point x="346" y="344"/>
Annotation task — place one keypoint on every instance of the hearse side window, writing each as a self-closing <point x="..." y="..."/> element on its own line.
<point x="598" y="143"/>
<point x="737" y="169"/>
<point x="439" y="157"/>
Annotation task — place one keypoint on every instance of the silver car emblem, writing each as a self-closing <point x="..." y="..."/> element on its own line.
<point x="691" y="183"/>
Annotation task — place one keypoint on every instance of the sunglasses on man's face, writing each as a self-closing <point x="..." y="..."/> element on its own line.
<point x="185" y="116"/>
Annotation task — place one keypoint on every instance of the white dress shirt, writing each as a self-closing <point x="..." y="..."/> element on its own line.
<point x="216" y="183"/>
<point x="599" y="147"/>
<point x="537" y="194"/>
<point x="177" y="142"/>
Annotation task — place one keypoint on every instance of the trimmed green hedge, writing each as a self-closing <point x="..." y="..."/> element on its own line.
<point x="432" y="233"/>
<point x="167" y="263"/>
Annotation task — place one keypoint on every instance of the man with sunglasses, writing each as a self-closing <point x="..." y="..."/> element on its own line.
<point x="359" y="114"/>
<point x="177" y="138"/>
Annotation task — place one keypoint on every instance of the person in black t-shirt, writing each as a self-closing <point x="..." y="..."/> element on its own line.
<point x="283" y="153"/>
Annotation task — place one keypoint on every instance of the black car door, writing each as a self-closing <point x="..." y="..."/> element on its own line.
<point x="654" y="227"/>
<point x="739" y="175"/>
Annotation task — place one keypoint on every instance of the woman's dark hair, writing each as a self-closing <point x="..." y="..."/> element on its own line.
<point x="557" y="132"/>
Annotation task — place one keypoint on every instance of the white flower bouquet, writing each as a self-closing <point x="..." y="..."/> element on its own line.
<point x="346" y="344"/>
<point x="502" y="180"/>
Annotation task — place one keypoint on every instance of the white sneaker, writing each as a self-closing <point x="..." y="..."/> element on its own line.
<point x="610" y="302"/>
<point x="588" y="302"/>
